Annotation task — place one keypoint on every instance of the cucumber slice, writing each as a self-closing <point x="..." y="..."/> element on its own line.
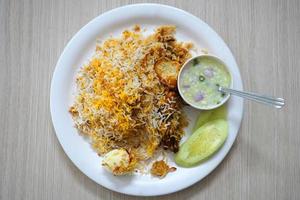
<point x="203" y="143"/>
<point x="210" y="115"/>
<point x="202" y="119"/>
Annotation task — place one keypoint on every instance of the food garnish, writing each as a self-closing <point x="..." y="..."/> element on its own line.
<point x="210" y="115"/>
<point x="203" y="143"/>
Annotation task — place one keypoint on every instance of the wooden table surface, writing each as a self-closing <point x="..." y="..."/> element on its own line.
<point x="264" y="37"/>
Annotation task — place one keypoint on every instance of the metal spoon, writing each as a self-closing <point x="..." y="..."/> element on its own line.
<point x="276" y="102"/>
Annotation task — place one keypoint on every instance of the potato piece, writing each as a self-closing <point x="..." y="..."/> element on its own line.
<point x="117" y="161"/>
<point x="167" y="72"/>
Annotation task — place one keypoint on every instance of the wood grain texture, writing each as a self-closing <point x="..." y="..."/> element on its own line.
<point x="264" y="162"/>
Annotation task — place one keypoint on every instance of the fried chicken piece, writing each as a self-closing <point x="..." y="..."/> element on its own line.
<point x="161" y="169"/>
<point x="167" y="72"/>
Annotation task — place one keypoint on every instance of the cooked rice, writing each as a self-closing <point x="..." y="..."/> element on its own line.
<point x="121" y="102"/>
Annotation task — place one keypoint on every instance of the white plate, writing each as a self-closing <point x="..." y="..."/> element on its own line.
<point x="79" y="50"/>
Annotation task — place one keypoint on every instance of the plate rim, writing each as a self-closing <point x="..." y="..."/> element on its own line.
<point x="58" y="64"/>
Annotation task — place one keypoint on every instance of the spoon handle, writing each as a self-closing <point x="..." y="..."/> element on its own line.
<point x="276" y="102"/>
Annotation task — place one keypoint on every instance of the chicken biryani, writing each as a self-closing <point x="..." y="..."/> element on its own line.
<point x="126" y="100"/>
